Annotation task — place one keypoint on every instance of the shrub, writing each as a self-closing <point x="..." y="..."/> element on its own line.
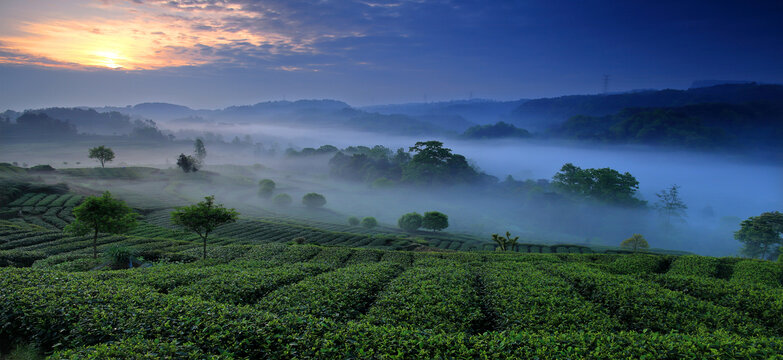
<point x="639" y="264"/>
<point x="353" y="221"/>
<point x="410" y="222"/>
<point x="693" y="265"/>
<point x="313" y="200"/>
<point x="120" y="257"/>
<point x="17" y="258"/>
<point x="299" y="240"/>
<point x="369" y="222"/>
<point x="138" y="348"/>
<point x="282" y="200"/>
<point x="758" y="272"/>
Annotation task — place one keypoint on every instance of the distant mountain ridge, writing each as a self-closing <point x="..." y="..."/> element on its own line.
<point x="543" y="114"/>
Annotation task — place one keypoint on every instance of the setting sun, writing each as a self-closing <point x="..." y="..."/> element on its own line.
<point x="108" y="59"/>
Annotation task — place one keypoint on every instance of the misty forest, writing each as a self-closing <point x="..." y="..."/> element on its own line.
<point x="545" y="220"/>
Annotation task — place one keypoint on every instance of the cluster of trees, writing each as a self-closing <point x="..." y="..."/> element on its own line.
<point x="425" y="163"/>
<point x="191" y="163"/>
<point x="496" y="131"/>
<point x="308" y="151"/>
<point x="762" y="235"/>
<point x="605" y="185"/>
<point x="105" y="214"/>
<point x="37" y="126"/>
<point x="432" y="220"/>
<point x="266" y="188"/>
<point x="367" y="222"/>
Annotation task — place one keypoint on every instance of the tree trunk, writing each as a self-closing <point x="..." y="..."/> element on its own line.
<point x="95" y="245"/>
<point x="205" y="247"/>
<point x="102" y="164"/>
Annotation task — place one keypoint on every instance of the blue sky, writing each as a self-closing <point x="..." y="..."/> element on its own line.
<point x="210" y="53"/>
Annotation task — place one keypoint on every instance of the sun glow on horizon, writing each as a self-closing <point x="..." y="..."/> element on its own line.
<point x="137" y="41"/>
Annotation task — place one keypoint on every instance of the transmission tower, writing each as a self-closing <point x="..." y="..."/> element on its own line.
<point x="606" y="84"/>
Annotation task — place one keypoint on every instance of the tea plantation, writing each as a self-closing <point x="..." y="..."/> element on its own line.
<point x="272" y="300"/>
<point x="346" y="292"/>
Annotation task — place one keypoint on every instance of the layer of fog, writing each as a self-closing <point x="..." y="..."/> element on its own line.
<point x="719" y="190"/>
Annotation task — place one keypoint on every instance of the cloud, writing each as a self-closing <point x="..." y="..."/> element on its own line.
<point x="153" y="34"/>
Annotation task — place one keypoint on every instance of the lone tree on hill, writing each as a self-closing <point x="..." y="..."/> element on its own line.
<point x="102" y="154"/>
<point x="435" y="221"/>
<point x="265" y="188"/>
<point x="369" y="222"/>
<point x="761" y="233"/>
<point x="635" y="242"/>
<point x="200" y="150"/>
<point x="101" y="214"/>
<point x="353" y="221"/>
<point x="410" y="222"/>
<point x="203" y="218"/>
<point x="314" y="200"/>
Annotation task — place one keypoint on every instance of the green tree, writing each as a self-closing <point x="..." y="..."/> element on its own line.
<point x="353" y="221"/>
<point x="410" y="222"/>
<point x="282" y="200"/>
<point x="102" y="154"/>
<point x="203" y="217"/>
<point x="432" y="163"/>
<point x="313" y="200"/>
<point x="187" y="163"/>
<point x="369" y="222"/>
<point x="605" y="185"/>
<point x="435" y="221"/>
<point x="635" y="242"/>
<point x="200" y="150"/>
<point x="505" y="242"/>
<point x="761" y="234"/>
<point x="101" y="214"/>
<point x="265" y="188"/>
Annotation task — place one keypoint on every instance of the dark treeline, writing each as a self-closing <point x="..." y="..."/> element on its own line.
<point x="757" y="125"/>
<point x="66" y="123"/>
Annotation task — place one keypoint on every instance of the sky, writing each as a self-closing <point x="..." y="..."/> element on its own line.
<point x="216" y="53"/>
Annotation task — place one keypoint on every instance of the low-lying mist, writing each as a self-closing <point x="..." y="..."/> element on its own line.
<point x="719" y="191"/>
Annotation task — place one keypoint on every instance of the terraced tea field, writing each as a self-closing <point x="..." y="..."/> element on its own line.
<point x="303" y="301"/>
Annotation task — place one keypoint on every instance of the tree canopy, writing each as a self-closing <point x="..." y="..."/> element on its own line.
<point x="761" y="234"/>
<point x="187" y="163"/>
<point x="102" y="153"/>
<point x="410" y="222"/>
<point x="435" y="221"/>
<point x="101" y="214"/>
<point x="313" y="200"/>
<point x="266" y="187"/>
<point x="282" y="200"/>
<point x="635" y="242"/>
<point x="604" y="185"/>
<point x="369" y="222"/>
<point x="203" y="217"/>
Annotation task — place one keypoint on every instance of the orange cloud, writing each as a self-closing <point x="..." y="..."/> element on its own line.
<point x="140" y="40"/>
